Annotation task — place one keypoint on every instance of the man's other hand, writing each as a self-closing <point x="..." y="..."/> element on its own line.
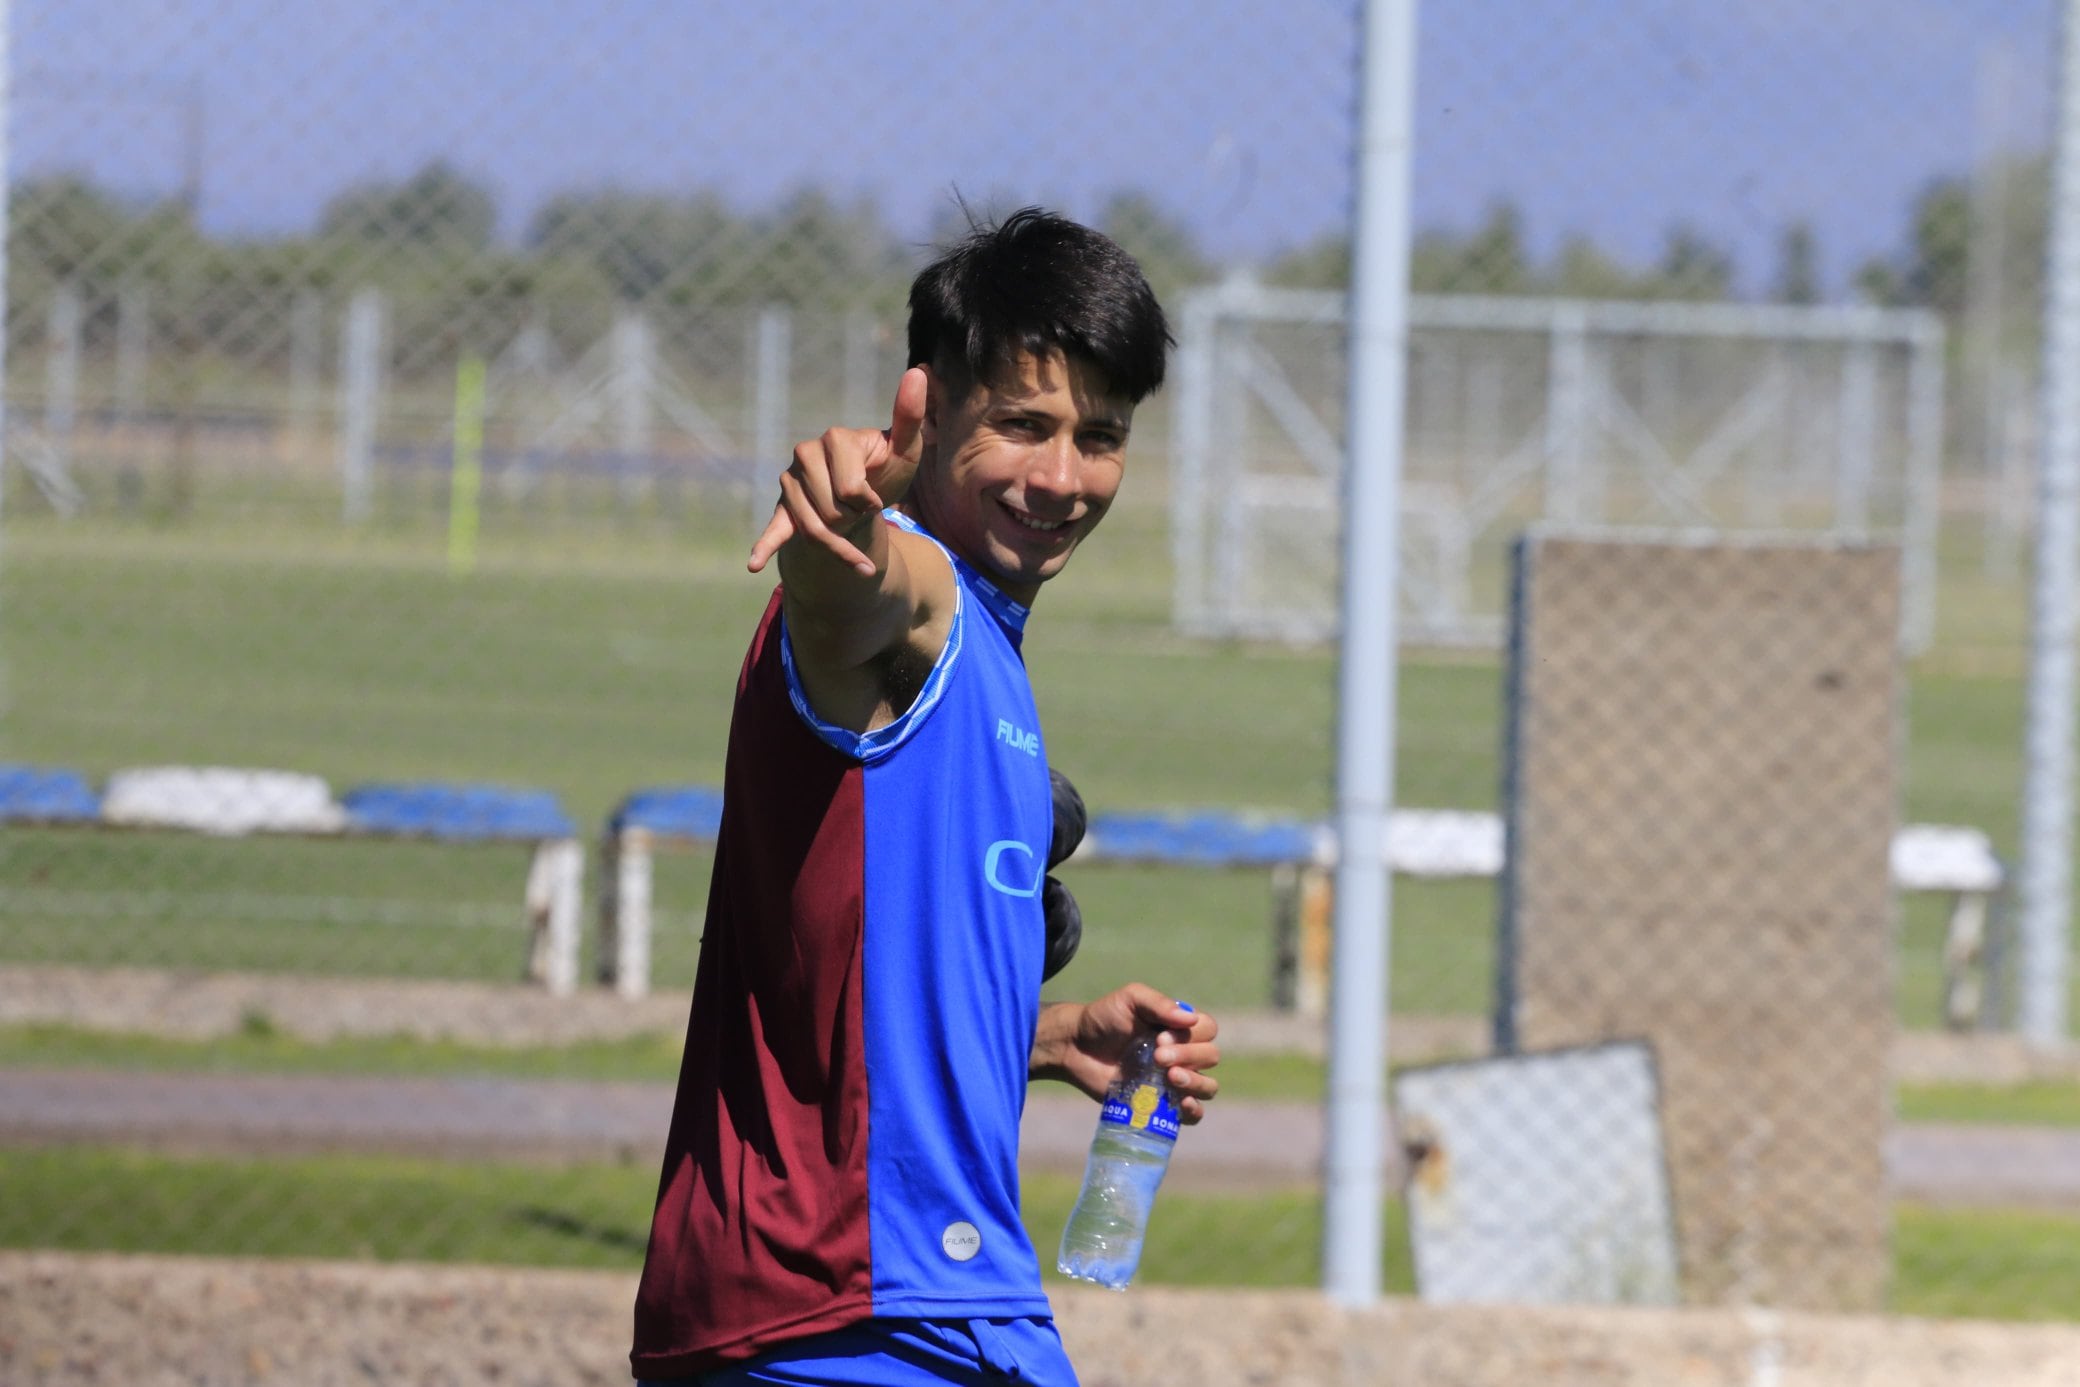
<point x="1083" y="1044"/>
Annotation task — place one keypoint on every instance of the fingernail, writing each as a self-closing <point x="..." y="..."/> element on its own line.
<point x="1186" y="1006"/>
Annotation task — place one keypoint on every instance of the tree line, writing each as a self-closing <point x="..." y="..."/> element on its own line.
<point x="432" y="240"/>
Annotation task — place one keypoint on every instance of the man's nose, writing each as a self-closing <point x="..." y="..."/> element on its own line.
<point x="1054" y="467"/>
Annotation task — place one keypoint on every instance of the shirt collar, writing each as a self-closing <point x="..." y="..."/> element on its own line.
<point x="1011" y="615"/>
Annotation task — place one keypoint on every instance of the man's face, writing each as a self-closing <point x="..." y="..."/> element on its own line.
<point x="1021" y="468"/>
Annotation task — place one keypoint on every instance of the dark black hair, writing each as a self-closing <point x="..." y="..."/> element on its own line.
<point x="1039" y="283"/>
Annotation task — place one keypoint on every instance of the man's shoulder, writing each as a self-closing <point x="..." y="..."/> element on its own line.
<point x="764" y="643"/>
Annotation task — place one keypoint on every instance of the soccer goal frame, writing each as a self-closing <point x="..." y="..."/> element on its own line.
<point x="1714" y="418"/>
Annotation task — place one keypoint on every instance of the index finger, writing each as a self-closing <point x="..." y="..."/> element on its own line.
<point x="777" y="532"/>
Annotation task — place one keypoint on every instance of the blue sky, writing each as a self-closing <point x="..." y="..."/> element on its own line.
<point x="1611" y="118"/>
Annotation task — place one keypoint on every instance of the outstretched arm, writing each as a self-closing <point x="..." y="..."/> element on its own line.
<point x="1082" y="1043"/>
<point x="855" y="590"/>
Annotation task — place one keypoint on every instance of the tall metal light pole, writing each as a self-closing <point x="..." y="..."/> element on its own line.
<point x="2047" y="800"/>
<point x="1355" y="1174"/>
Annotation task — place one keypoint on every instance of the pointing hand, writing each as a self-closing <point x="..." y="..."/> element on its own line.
<point x="839" y="483"/>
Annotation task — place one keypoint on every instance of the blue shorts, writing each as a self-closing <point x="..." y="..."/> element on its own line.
<point x="895" y="1353"/>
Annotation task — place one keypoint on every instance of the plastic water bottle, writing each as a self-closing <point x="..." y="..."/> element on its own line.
<point x="1137" y="1130"/>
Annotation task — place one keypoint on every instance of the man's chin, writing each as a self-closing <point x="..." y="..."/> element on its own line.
<point x="1010" y="571"/>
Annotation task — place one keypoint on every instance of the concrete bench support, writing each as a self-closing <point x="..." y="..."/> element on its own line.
<point x="555" y="902"/>
<point x="624" y="911"/>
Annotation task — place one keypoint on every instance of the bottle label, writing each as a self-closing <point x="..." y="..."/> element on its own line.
<point x="1147" y="1108"/>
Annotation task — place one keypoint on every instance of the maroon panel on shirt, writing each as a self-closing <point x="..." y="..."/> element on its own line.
<point x="760" y="1234"/>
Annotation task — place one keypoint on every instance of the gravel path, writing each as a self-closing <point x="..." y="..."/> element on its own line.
<point x="121" y="1321"/>
<point x="481" y="1117"/>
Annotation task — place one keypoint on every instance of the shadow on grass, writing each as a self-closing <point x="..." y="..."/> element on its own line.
<point x="614" y="1239"/>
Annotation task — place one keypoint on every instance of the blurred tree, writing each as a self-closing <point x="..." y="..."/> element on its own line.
<point x="1324" y="263"/>
<point x="64" y="229"/>
<point x="1934" y="270"/>
<point x="1493" y="259"/>
<point x="1879" y="283"/>
<point x="1582" y="271"/>
<point x="642" y="241"/>
<point x="1489" y="260"/>
<point x="1169" y="255"/>
<point x="1436" y="259"/>
<point x="813" y="253"/>
<point x="65" y="225"/>
<point x="1942" y="239"/>
<point x="436" y="207"/>
<point x="1798" y="265"/>
<point x="1691" y="267"/>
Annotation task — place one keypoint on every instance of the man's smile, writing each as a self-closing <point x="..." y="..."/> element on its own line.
<point x="1031" y="521"/>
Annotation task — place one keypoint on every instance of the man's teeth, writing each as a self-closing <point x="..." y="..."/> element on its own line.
<point x="1034" y="522"/>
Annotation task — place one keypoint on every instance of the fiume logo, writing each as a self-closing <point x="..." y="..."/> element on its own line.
<point x="1017" y="740"/>
<point x="961" y="1240"/>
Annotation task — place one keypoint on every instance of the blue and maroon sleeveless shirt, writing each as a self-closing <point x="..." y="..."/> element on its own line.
<point x="845" y="1139"/>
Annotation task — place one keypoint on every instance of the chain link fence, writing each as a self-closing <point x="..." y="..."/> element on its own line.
<point x="391" y="395"/>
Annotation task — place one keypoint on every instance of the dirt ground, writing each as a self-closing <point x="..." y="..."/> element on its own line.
<point x="68" y="1320"/>
<point x="71" y="1320"/>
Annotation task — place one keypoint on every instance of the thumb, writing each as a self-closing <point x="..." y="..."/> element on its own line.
<point x="906" y="423"/>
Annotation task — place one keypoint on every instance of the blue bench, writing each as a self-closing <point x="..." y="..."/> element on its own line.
<point x="1437" y="844"/>
<point x="45" y="795"/>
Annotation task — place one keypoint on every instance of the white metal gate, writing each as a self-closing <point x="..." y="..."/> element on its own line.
<point x="1711" y="417"/>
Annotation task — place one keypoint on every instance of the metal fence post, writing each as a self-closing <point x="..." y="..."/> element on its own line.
<point x="1355" y="1192"/>
<point x="1855" y="440"/>
<point x="1567" y="417"/>
<point x="2047" y="799"/>
<point x="361" y="377"/>
<point x="632" y="385"/>
<point x="133" y="347"/>
<point x="773" y="346"/>
<point x="1922" y="512"/>
<point x="61" y="373"/>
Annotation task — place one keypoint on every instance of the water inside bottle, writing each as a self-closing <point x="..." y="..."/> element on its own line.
<point x="1103" y="1239"/>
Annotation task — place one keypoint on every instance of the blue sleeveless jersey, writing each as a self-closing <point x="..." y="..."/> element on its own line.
<point x="845" y="1142"/>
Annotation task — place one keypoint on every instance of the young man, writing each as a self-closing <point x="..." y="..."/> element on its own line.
<point x="839" y="1201"/>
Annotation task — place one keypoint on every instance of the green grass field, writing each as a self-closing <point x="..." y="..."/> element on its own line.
<point x="598" y="660"/>
<point x="1992" y="1264"/>
<point x="597" y="656"/>
<point x="592" y="1215"/>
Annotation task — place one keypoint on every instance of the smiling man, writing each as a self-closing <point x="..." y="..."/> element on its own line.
<point x="839" y="1199"/>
